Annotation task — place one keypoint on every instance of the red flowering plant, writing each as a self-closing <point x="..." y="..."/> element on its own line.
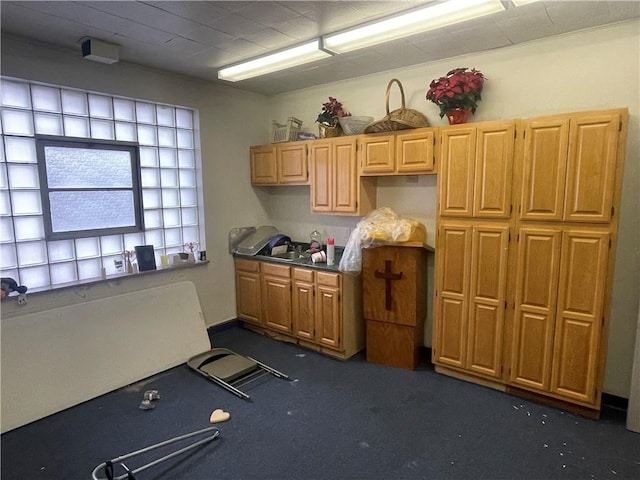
<point x="459" y="89"/>
<point x="331" y="110"/>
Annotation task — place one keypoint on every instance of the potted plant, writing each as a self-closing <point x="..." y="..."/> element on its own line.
<point x="328" y="119"/>
<point x="457" y="94"/>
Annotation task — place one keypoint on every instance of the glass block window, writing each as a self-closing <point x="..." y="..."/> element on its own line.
<point x="37" y="202"/>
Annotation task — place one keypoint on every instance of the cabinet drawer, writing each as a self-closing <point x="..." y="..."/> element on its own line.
<point x="303" y="274"/>
<point x="247" y="265"/>
<point x="329" y="279"/>
<point x="276" y="270"/>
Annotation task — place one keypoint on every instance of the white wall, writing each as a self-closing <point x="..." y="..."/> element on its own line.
<point x="594" y="69"/>
<point x="589" y="70"/>
<point x="230" y="121"/>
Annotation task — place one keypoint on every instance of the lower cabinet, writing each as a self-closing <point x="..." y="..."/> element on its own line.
<point x="315" y="309"/>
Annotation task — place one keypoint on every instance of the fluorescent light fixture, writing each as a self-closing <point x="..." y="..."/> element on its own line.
<point x="410" y="23"/>
<point x="519" y="3"/>
<point x="273" y="62"/>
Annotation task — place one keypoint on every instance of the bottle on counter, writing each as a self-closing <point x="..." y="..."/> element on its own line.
<point x="331" y="251"/>
<point x="315" y="245"/>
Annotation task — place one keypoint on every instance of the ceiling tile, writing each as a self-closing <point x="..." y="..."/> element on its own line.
<point x="145" y="14"/>
<point x="236" y="25"/>
<point x="208" y="36"/>
<point x="201" y="12"/>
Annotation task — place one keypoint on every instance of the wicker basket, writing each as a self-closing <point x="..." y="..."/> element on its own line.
<point x="399" y="119"/>
<point x="287" y="132"/>
<point x="354" y="125"/>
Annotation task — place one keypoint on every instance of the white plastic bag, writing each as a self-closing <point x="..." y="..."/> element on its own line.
<point x="383" y="225"/>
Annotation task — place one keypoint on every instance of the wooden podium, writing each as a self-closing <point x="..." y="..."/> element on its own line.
<point x="394" y="286"/>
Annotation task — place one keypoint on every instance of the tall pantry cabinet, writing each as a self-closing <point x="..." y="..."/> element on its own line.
<point x="524" y="255"/>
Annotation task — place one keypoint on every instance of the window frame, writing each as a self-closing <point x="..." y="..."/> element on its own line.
<point x="133" y="148"/>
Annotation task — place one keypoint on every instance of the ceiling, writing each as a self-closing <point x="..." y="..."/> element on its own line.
<point x="196" y="38"/>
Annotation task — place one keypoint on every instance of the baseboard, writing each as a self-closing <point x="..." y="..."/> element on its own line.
<point x="221" y="327"/>
<point x="613" y="401"/>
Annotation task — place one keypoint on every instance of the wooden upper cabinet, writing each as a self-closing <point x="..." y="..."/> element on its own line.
<point x="407" y="153"/>
<point x="493" y="169"/>
<point x="591" y="167"/>
<point x="414" y="152"/>
<point x="264" y="170"/>
<point x="569" y="167"/>
<point x="546" y="142"/>
<point x="476" y="166"/>
<point x="345" y="176"/>
<point x="455" y="182"/>
<point x="335" y="184"/>
<point x="377" y="154"/>
<point x="281" y="164"/>
<point x="320" y="157"/>
<point x="292" y="163"/>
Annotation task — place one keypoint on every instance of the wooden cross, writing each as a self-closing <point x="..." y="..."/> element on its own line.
<point x="388" y="278"/>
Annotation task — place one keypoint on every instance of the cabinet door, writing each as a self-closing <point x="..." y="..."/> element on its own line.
<point x="591" y="168"/>
<point x="455" y="182"/>
<point x="493" y="170"/>
<point x="453" y="256"/>
<point x="487" y="296"/>
<point x="292" y="163"/>
<point x="345" y="176"/>
<point x="583" y="272"/>
<point x="248" y="296"/>
<point x="544" y="168"/>
<point x="303" y="302"/>
<point x="328" y="310"/>
<point x="377" y="154"/>
<point x="276" y="297"/>
<point x="321" y="176"/>
<point x="535" y="306"/>
<point x="263" y="165"/>
<point x="414" y="152"/>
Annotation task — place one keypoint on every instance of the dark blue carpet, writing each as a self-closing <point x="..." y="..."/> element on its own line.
<point x="333" y="420"/>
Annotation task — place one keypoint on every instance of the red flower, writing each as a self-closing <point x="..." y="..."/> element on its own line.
<point x="460" y="88"/>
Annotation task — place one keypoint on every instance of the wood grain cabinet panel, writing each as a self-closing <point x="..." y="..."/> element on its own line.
<point x="377" y="153"/>
<point x="493" y="170"/>
<point x="408" y="152"/>
<point x="583" y="272"/>
<point x="570" y="168"/>
<point x="335" y="184"/>
<point x="276" y="297"/>
<point x="527" y="308"/>
<point x="248" y="303"/>
<point x="489" y="267"/>
<point x="264" y="169"/>
<point x="453" y="258"/>
<point x="293" y="165"/>
<point x="535" y="306"/>
<point x="456" y="178"/>
<point x="591" y="168"/>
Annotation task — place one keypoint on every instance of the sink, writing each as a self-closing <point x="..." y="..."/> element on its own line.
<point x="287" y="256"/>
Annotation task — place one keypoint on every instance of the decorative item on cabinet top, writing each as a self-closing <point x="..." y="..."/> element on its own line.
<point x="354" y="125"/>
<point x="399" y="119"/>
<point x="328" y="119"/>
<point x="287" y="132"/>
<point x="457" y="93"/>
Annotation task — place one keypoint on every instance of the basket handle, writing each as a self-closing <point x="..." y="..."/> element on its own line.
<point x="388" y="91"/>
